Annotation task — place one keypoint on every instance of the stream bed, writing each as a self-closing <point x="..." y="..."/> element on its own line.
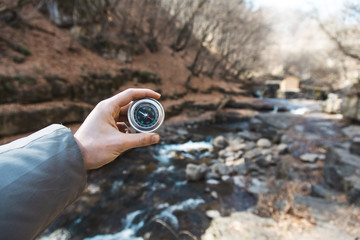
<point x="145" y="193"/>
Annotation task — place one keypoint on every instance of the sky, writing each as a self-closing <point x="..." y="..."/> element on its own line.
<point x="324" y="7"/>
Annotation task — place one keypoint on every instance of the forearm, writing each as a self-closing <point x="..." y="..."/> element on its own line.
<point x="39" y="176"/>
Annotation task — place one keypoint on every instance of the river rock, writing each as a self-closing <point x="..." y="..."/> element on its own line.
<point x="311" y="157"/>
<point x="256" y="152"/>
<point x="263" y="143"/>
<point x="250" y="136"/>
<point x="258" y="187"/>
<point x="355" y="145"/>
<point x="283" y="148"/>
<point x="262" y="162"/>
<point x="221" y="169"/>
<point x="195" y="172"/>
<point x="239" y="181"/>
<point x="220" y="142"/>
<point x="240" y="169"/>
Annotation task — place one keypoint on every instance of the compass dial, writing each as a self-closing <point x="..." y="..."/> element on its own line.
<point x="146" y="115"/>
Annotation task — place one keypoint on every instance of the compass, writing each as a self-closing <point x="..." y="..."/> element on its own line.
<point x="146" y="115"/>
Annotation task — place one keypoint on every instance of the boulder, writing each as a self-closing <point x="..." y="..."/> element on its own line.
<point x="195" y="172"/>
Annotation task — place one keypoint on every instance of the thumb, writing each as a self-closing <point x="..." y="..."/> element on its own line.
<point x="140" y="140"/>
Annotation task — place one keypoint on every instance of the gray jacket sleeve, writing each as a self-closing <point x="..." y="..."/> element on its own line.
<point x="39" y="176"/>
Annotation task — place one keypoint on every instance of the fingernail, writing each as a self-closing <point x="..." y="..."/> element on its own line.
<point x="155" y="138"/>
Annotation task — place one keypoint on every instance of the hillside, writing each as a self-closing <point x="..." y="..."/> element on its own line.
<point x="45" y="81"/>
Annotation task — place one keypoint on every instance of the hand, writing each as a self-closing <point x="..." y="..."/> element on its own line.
<point x="99" y="137"/>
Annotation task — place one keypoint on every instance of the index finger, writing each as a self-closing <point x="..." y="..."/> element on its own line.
<point x="125" y="97"/>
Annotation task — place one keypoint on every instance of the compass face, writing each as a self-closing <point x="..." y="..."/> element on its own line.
<point x="146" y="115"/>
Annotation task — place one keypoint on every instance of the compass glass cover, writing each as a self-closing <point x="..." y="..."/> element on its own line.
<point x="146" y="115"/>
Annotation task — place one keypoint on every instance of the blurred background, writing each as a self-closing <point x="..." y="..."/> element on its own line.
<point x="261" y="138"/>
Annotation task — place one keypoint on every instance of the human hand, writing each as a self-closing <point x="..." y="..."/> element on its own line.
<point x="100" y="138"/>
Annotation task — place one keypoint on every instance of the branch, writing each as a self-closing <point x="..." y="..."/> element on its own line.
<point x="339" y="43"/>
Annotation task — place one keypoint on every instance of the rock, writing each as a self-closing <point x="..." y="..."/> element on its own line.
<point x="319" y="191"/>
<point x="286" y="139"/>
<point x="332" y="103"/>
<point x="262" y="162"/>
<point x="240" y="169"/>
<point x="353" y="189"/>
<point x="226" y="178"/>
<point x="239" y="181"/>
<point x="258" y="187"/>
<point x="225" y="153"/>
<point x="263" y="143"/>
<point x="253" y="153"/>
<point x="351" y="131"/>
<point x="213" y="214"/>
<point x="311" y="157"/>
<point x="245" y="225"/>
<point x="355" y="145"/>
<point x="282" y="206"/>
<point x="339" y="166"/>
<point x="266" y="151"/>
<point x="221" y="169"/>
<point x="250" y="136"/>
<point x="214" y="195"/>
<point x="235" y="143"/>
<point x="39" y="115"/>
<point x="212" y="182"/>
<point x="283" y="148"/>
<point x="250" y="145"/>
<point x="195" y="172"/>
<point x="351" y="106"/>
<point x="220" y="142"/>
